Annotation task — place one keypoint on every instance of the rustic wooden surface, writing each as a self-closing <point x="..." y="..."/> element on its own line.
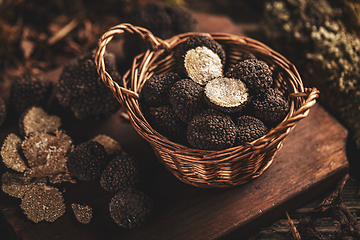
<point x="312" y="159"/>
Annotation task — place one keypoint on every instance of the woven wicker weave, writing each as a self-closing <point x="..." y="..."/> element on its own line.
<point x="204" y="168"/>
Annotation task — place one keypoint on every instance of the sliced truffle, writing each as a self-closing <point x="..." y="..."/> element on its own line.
<point x="47" y="155"/>
<point x="226" y="94"/>
<point x="201" y="58"/>
<point x="35" y="119"/>
<point x="3" y="111"/>
<point x="186" y="98"/>
<point x="13" y="184"/>
<point x="156" y="89"/>
<point x="211" y="130"/>
<point x="254" y="73"/>
<point x="164" y="120"/>
<point x="10" y="153"/>
<point x="123" y="171"/>
<point x="249" y="129"/>
<point x="81" y="89"/>
<point x="87" y="160"/>
<point x="43" y="202"/>
<point x="130" y="208"/>
<point x="270" y="107"/>
<point x="29" y="90"/>
<point x="83" y="213"/>
<point x="111" y="145"/>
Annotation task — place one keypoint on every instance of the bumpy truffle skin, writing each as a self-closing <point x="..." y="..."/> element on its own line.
<point x="3" y="111"/>
<point x="29" y="90"/>
<point x="81" y="89"/>
<point x="226" y="94"/>
<point x="249" y="129"/>
<point x="164" y="120"/>
<point x="211" y="130"/>
<point x="156" y="89"/>
<point x="270" y="107"/>
<point x="123" y="171"/>
<point x="87" y="160"/>
<point x="130" y="208"/>
<point x="186" y="98"/>
<point x="254" y="73"/>
<point x="201" y="59"/>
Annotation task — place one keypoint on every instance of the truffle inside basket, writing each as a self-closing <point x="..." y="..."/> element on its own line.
<point x="206" y="168"/>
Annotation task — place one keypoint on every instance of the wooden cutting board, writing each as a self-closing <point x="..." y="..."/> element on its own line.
<point x="312" y="159"/>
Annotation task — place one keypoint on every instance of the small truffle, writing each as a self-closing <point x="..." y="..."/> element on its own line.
<point x="10" y="153"/>
<point x="123" y="171"/>
<point x="164" y="120"/>
<point x="87" y="160"/>
<point x="13" y="184"/>
<point x="186" y="98"/>
<point x="29" y="90"/>
<point x="226" y="94"/>
<point x="201" y="58"/>
<point x="3" y="111"/>
<point x="211" y="130"/>
<point x="156" y="89"/>
<point x="81" y="89"/>
<point x="130" y="208"/>
<point x="254" y="73"/>
<point x="249" y="129"/>
<point x="83" y="213"/>
<point x="43" y="202"/>
<point x="270" y="107"/>
<point x="47" y="155"/>
<point x="35" y="119"/>
<point x="111" y="145"/>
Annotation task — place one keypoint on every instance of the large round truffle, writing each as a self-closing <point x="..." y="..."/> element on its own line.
<point x="130" y="208"/>
<point x="87" y="160"/>
<point x="123" y="171"/>
<point x="249" y="129"/>
<point x="186" y="98"/>
<point x="211" y="130"/>
<point x="226" y="94"/>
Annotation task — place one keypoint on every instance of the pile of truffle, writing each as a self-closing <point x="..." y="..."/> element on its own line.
<point x="204" y="107"/>
<point x="44" y="157"/>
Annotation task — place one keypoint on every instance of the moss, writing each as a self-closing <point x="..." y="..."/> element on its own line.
<point x="211" y="130"/>
<point x="81" y="89"/>
<point x="130" y="208"/>
<point x="226" y="94"/>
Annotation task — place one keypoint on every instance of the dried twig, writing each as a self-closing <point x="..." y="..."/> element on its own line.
<point x="293" y="229"/>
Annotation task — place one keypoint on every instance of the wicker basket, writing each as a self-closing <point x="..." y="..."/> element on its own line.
<point x="204" y="168"/>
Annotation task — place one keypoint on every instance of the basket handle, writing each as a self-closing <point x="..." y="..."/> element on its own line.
<point x="154" y="42"/>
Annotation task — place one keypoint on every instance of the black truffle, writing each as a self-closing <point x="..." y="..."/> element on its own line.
<point x="162" y="20"/>
<point x="186" y="98"/>
<point x="130" y="208"/>
<point x="211" y="130"/>
<point x="3" y="111"/>
<point x="11" y="153"/>
<point x="156" y="89"/>
<point x="249" y="129"/>
<point x="254" y="73"/>
<point x="87" y="160"/>
<point x="164" y="120"/>
<point x="270" y="107"/>
<point x="81" y="89"/>
<point x="201" y="58"/>
<point x="123" y="171"/>
<point x="226" y="94"/>
<point x="29" y="90"/>
<point x="35" y="119"/>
